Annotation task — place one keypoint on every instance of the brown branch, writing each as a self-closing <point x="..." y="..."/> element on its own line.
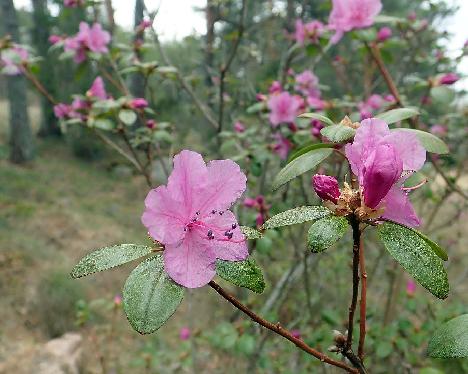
<point x="278" y="329"/>
<point x="362" y="305"/>
<point x="38" y="85"/>
<point x="141" y="168"/>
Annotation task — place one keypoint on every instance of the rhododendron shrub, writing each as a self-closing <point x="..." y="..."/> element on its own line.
<point x="302" y="164"/>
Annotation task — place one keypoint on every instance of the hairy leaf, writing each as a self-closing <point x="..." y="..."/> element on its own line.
<point x="307" y="148"/>
<point x="250" y="233"/>
<point x="451" y="339"/>
<point x="396" y="115"/>
<point x="319" y="117"/>
<point x="326" y="232"/>
<point x="245" y="274"/>
<point x="338" y="133"/>
<point x="296" y="215"/>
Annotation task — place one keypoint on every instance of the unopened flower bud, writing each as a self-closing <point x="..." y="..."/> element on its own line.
<point x="449" y="79"/>
<point x="326" y="187"/>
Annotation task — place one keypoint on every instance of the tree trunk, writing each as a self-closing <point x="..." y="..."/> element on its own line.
<point x="209" y="40"/>
<point x="40" y="37"/>
<point x="137" y="84"/>
<point x="21" y="140"/>
<point x="110" y="16"/>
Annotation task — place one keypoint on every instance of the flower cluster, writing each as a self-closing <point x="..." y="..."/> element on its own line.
<point x="88" y="39"/>
<point x="12" y="60"/>
<point x="259" y="204"/>
<point x="382" y="160"/>
<point x="369" y="107"/>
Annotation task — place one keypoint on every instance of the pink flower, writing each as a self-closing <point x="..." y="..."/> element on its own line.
<point x="410" y="287"/>
<point x="368" y="107"/>
<point x="282" y="146"/>
<point x="260" y="219"/>
<point x="191" y="217"/>
<point x="316" y="126"/>
<point x="151" y="124"/>
<point x="275" y="88"/>
<point x="250" y="202"/>
<point x="326" y="187"/>
<point x="378" y="157"/>
<point x="449" y="78"/>
<point x="93" y="39"/>
<point x="73" y="3"/>
<point x="239" y="127"/>
<point x="12" y="60"/>
<point x="145" y="24"/>
<point x="347" y="15"/>
<point x="54" y="39"/>
<point x="296" y="333"/>
<point x="184" y="333"/>
<point x="412" y="16"/>
<point x="284" y="108"/>
<point x="97" y="89"/>
<point x="62" y="110"/>
<point x="439" y="130"/>
<point x="384" y="33"/>
<point x="117" y="299"/>
<point x="310" y="31"/>
<point x="138" y="103"/>
<point x="307" y="83"/>
<point x="316" y="103"/>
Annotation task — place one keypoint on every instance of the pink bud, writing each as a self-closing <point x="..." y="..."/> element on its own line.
<point x="54" y="39"/>
<point x="62" y="110"/>
<point x="151" y="124"/>
<point x="326" y="187"/>
<point x="275" y="87"/>
<point x="138" y="103"/>
<point x="239" y="127"/>
<point x="412" y="16"/>
<point x="249" y="202"/>
<point x="260" y="199"/>
<point x="184" y="333"/>
<point x="260" y="220"/>
<point x="410" y="287"/>
<point x="117" y="299"/>
<point x="261" y="97"/>
<point x="384" y="33"/>
<point x="382" y="169"/>
<point x="296" y="333"/>
<point x="449" y="78"/>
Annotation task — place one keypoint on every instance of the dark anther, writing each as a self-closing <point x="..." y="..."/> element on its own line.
<point x="210" y="234"/>
<point x="234" y="225"/>
<point x="229" y="235"/>
<point x="185" y="228"/>
<point x="226" y="233"/>
<point x="213" y="211"/>
<point x="197" y="213"/>
<point x="221" y="213"/>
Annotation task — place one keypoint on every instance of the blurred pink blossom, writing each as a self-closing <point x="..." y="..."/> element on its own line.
<point x="138" y="103"/>
<point x="93" y="39"/>
<point x="184" y="333"/>
<point x="97" y="89"/>
<point x="347" y="15"/>
<point x="296" y="333"/>
<point x="307" y="83"/>
<point x="283" y="108"/>
<point x="12" y="60"/>
<point x="239" y="127"/>
<point x="410" y="287"/>
<point x="316" y="126"/>
<point x="151" y="124"/>
<point x="449" y="79"/>
<point x="440" y="130"/>
<point x="282" y="146"/>
<point x="384" y="33"/>
<point x="275" y="88"/>
<point x="117" y="299"/>
<point x="310" y="31"/>
<point x="73" y="3"/>
<point x="54" y="39"/>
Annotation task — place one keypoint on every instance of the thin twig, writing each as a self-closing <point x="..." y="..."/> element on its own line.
<point x="362" y="305"/>
<point x="352" y="308"/>
<point x="39" y="86"/>
<point x="278" y="329"/>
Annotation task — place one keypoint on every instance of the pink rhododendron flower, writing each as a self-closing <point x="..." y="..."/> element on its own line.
<point x="439" y="130"/>
<point x="347" y="15"/>
<point x="239" y="127"/>
<point x="449" y="78"/>
<point x="54" y="39"/>
<point x="191" y="217"/>
<point x="97" y="89"/>
<point x="284" y="108"/>
<point x="93" y="39"/>
<point x="138" y="103"/>
<point x="310" y="31"/>
<point x="12" y="60"/>
<point x="275" y="88"/>
<point x="62" y="110"/>
<point x="73" y="3"/>
<point x="307" y="83"/>
<point x="368" y="107"/>
<point x="184" y="333"/>
<point x="316" y="103"/>
<point x="282" y="146"/>
<point x="326" y="187"/>
<point x="378" y="157"/>
<point x="316" y="127"/>
<point x="384" y="33"/>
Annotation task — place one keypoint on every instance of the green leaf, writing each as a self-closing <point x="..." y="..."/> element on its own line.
<point x="416" y="256"/>
<point x="128" y="117"/>
<point x="167" y="70"/>
<point x="451" y="339"/>
<point x="257" y="107"/>
<point x="307" y="148"/>
<point x="102" y="124"/>
<point x="429" y="141"/>
<point x="108" y="258"/>
<point x="296" y="215"/>
<point x="381" y="18"/>
<point x="300" y="165"/>
<point x="338" y="133"/>
<point x="245" y="274"/>
<point x="150" y="297"/>
<point x="442" y="95"/>
<point x="250" y="233"/>
<point x="319" y="117"/>
<point x="396" y="115"/>
<point x="326" y="232"/>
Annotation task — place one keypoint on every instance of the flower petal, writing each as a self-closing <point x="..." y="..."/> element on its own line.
<point x="191" y="263"/>
<point x="409" y="148"/>
<point x="398" y="208"/>
<point x="234" y="249"/>
<point x="188" y="177"/>
<point x="162" y="216"/>
<point x="226" y="184"/>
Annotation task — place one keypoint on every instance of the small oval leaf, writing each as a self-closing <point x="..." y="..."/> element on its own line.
<point x="338" y="133"/>
<point x="307" y="148"/>
<point x="429" y="141"/>
<point x="416" y="256"/>
<point x="300" y="165"/>
<point x="451" y="339"/>
<point x="326" y="232"/>
<point x="245" y="274"/>
<point x="108" y="258"/>
<point x="250" y="233"/>
<point x="296" y="215"/>
<point x="319" y="117"/>
<point x="150" y="297"/>
<point x="396" y="115"/>
<point x="128" y="117"/>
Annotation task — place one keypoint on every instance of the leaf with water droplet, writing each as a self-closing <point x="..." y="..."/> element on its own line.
<point x="297" y="215"/>
<point x="245" y="274"/>
<point x="326" y="232"/>
<point x="451" y="339"/>
<point x="415" y="255"/>
<point x="108" y="258"/>
<point x="150" y="296"/>
<point x="250" y="233"/>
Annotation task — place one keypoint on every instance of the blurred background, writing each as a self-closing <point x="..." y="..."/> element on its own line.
<point x="70" y="194"/>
